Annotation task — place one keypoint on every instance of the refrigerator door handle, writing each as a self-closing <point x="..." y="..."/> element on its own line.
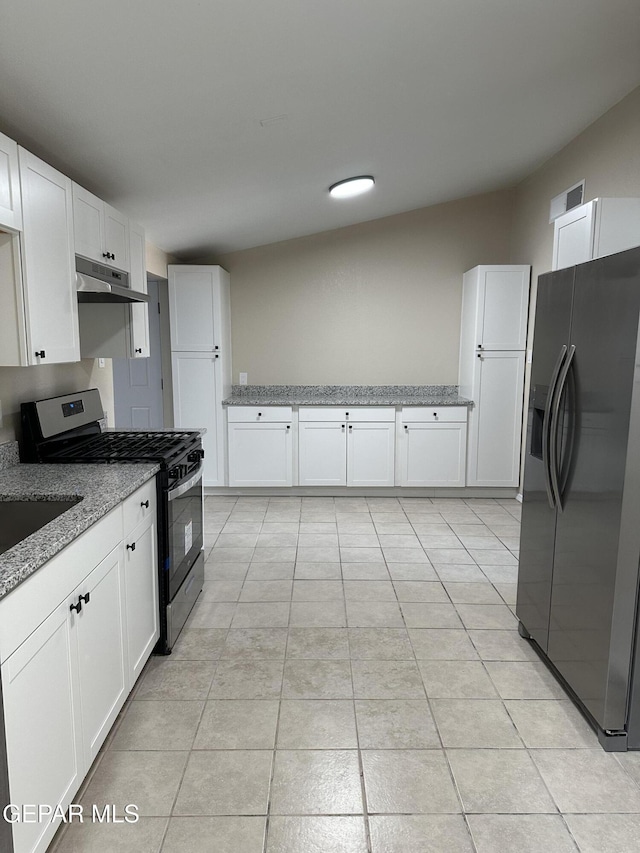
<point x="546" y="427"/>
<point x="555" y="424"/>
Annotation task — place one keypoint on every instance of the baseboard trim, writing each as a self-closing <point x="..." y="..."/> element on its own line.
<point x="352" y="491"/>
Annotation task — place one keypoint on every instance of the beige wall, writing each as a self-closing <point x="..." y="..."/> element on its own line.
<point x="376" y="303"/>
<point x="607" y="156"/>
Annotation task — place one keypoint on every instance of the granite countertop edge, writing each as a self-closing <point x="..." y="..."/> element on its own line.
<point x="100" y="487"/>
<point x="345" y="395"/>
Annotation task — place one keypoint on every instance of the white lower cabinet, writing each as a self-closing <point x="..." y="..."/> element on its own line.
<point x="66" y="672"/>
<point x="42" y="723"/>
<point x="338" y="447"/>
<point x="260" y="445"/>
<point x="433" y="452"/>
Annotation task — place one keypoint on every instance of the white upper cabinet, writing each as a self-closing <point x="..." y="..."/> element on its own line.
<point x="600" y="227"/>
<point x="139" y="312"/>
<point x="10" y="197"/>
<point x="101" y="232"/>
<point x="48" y="264"/>
<point x="495" y="302"/>
<point x="194" y="311"/>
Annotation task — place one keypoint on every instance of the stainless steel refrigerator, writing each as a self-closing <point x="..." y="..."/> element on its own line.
<point x="580" y="536"/>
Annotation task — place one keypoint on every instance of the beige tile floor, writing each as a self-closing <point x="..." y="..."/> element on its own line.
<point x="352" y="680"/>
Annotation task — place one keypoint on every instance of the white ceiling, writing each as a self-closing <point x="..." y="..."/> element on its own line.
<point x="156" y="105"/>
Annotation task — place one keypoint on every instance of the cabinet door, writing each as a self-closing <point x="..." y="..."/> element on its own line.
<point x="495" y="422"/>
<point x="141" y="595"/>
<point x="196" y="404"/>
<point x="116" y="238"/>
<point x="88" y="224"/>
<point x="139" y="312"/>
<point x="41" y="702"/>
<point x="99" y="629"/>
<point x="192" y="308"/>
<point x="371" y="454"/>
<point x="10" y="199"/>
<point x="432" y="454"/>
<point x="573" y="236"/>
<point x="503" y="308"/>
<point x="48" y="263"/>
<point x="260" y="454"/>
<point x="322" y="454"/>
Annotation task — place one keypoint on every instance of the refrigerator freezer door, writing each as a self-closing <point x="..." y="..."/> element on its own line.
<point x="595" y="572"/>
<point x="537" y="537"/>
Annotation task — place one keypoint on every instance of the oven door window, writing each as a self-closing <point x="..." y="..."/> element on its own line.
<point x="184" y="520"/>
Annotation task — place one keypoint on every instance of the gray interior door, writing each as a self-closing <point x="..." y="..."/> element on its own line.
<point x="589" y="568"/>
<point x="137" y="382"/>
<point x="537" y="537"/>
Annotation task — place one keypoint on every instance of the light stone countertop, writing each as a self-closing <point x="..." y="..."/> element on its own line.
<point x="101" y="487"/>
<point x="345" y="395"/>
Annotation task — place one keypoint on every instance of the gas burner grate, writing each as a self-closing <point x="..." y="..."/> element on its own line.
<point x="130" y="446"/>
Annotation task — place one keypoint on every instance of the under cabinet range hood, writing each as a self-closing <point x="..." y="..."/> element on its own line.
<point x="98" y="283"/>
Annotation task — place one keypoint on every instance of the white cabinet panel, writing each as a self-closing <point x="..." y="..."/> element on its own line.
<point x="48" y="263"/>
<point x="573" y="236"/>
<point x="495" y="424"/>
<point x="322" y="453"/>
<point x="371" y="454"/>
<point x="44" y="750"/>
<point x="10" y="198"/>
<point x="139" y="312"/>
<point x="196" y="403"/>
<point x="192" y="308"/>
<point x="88" y="225"/>
<point x="260" y="454"/>
<point x="600" y="227"/>
<point x="101" y="655"/>
<point x="141" y="596"/>
<point x="259" y="414"/>
<point x="433" y="414"/>
<point x="116" y="237"/>
<point x="353" y="414"/>
<point x="504" y="306"/>
<point x="432" y="454"/>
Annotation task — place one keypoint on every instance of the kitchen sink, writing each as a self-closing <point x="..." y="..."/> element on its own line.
<point x="19" y="519"/>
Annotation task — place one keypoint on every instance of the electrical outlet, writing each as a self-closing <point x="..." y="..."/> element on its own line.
<point x="101" y="362"/>
<point x="243" y="378"/>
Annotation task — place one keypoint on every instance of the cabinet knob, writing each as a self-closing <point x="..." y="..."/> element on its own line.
<point x="350" y="427"/>
<point x="131" y="547"/>
<point x="288" y="426"/>
<point x="216" y="355"/>
<point x="77" y="607"/>
<point x="479" y="346"/>
<point x="479" y="355"/>
<point x="346" y="414"/>
<point x="435" y="414"/>
<point x="86" y="598"/>
<point x="342" y="426"/>
<point x="40" y="353"/>
<point x="406" y="427"/>
<point x="145" y="504"/>
<point x="259" y="414"/>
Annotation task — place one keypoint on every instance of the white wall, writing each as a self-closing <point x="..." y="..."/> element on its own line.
<point x="376" y="303"/>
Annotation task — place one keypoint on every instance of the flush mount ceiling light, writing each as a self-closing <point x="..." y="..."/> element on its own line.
<point x="351" y="186"/>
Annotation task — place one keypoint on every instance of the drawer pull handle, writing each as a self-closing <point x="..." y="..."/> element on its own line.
<point x="77" y="607"/>
<point x="132" y="547"/>
<point x="145" y="504"/>
<point x="40" y="353"/>
<point x="86" y="598"/>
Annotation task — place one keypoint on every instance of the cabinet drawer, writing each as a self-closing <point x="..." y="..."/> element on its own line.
<point x="135" y="507"/>
<point x="434" y="414"/>
<point x="353" y="414"/>
<point x="259" y="414"/>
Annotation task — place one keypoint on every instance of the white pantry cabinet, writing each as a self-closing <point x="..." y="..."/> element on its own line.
<point x="432" y="446"/>
<point x="597" y="228"/>
<point x="339" y="446"/>
<point x="10" y="196"/>
<point x="495" y="305"/>
<point x="260" y="445"/>
<point x="139" y="311"/>
<point x="48" y="264"/>
<point x="200" y="325"/>
<point x="66" y="671"/>
<point x="101" y="232"/>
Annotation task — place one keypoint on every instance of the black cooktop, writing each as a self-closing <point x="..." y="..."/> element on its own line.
<point x="128" y="447"/>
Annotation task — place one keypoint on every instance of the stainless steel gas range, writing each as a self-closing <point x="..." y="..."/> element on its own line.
<point x="68" y="429"/>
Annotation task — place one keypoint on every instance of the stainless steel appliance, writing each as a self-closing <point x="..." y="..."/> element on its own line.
<point x="580" y="537"/>
<point x="68" y="429"/>
<point x="98" y="283"/>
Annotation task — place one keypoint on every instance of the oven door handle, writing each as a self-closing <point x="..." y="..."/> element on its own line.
<point x="172" y="494"/>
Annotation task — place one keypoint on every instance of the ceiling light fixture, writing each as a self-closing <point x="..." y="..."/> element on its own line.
<point x="351" y="186"/>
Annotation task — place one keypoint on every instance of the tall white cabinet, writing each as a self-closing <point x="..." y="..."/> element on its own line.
<point x="493" y="334"/>
<point x="200" y="323"/>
